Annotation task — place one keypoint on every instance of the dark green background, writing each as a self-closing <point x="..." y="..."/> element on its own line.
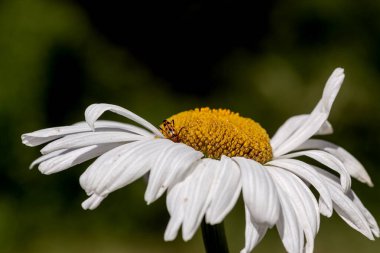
<point x="268" y="61"/>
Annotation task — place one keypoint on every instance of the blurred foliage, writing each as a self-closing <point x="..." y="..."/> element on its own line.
<point x="267" y="61"/>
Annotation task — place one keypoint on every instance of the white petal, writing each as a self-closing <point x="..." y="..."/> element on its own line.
<point x="303" y="202"/>
<point x="253" y="232"/>
<point x="302" y="198"/>
<point x="370" y="219"/>
<point x="94" y="111"/>
<point x="45" y="135"/>
<point x="288" y="226"/>
<point x="200" y="183"/>
<point x="181" y="167"/>
<point x="328" y="160"/>
<point x="259" y="192"/>
<point x="355" y="199"/>
<point x="47" y="157"/>
<point x="325" y="129"/>
<point x="162" y="161"/>
<point x="73" y="157"/>
<point x="308" y="173"/>
<point x="345" y="207"/>
<point x="134" y="165"/>
<point x="350" y="213"/>
<point x="90" y="138"/>
<point x="121" y="166"/>
<point x="92" y="202"/>
<point x="293" y="124"/>
<point x="188" y="200"/>
<point x="176" y="202"/>
<point x="353" y="166"/>
<point x="332" y="88"/>
<point x="308" y="129"/>
<point x="287" y="129"/>
<point x="226" y="188"/>
<point x="170" y="164"/>
<point x="108" y="125"/>
<point x="317" y="117"/>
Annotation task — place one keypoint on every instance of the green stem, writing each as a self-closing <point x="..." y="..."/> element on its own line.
<point x="214" y="238"/>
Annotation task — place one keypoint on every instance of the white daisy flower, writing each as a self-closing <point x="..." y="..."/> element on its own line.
<point x="205" y="158"/>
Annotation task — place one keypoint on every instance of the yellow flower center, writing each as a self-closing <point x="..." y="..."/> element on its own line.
<point x="217" y="132"/>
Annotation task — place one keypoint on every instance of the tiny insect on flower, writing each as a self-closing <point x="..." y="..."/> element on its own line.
<point x="169" y="130"/>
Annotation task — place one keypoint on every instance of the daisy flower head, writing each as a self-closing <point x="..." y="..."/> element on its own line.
<point x="204" y="159"/>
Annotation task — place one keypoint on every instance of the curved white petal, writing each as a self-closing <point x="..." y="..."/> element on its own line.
<point x="109" y="125"/>
<point x="350" y="213"/>
<point x="370" y="219"/>
<point x="287" y="129"/>
<point x="109" y="167"/>
<point x="176" y="201"/>
<point x="161" y="162"/>
<point x="288" y="227"/>
<point x="325" y="129"/>
<point x="353" y="166"/>
<point x="94" y="111"/>
<point x="181" y="167"/>
<point x="329" y="161"/>
<point x="308" y="129"/>
<point x="121" y="166"/>
<point x="169" y="167"/>
<point x="293" y="124"/>
<point x="226" y="188"/>
<point x="317" y="117"/>
<point x="79" y="140"/>
<point x="188" y="200"/>
<point x="45" y="135"/>
<point x="199" y="196"/>
<point x="73" y="157"/>
<point x="259" y="192"/>
<point x="308" y="173"/>
<point x="345" y="207"/>
<point x="303" y="202"/>
<point x="47" y="157"/>
<point x="93" y="202"/>
<point x="131" y="168"/>
<point x="253" y="232"/>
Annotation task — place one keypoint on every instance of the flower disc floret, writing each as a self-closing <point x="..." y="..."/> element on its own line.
<point x="217" y="132"/>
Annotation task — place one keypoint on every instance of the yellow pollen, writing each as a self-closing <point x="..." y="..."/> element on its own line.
<point x="217" y="132"/>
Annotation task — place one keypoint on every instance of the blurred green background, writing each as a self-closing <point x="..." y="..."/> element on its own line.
<point x="268" y="61"/>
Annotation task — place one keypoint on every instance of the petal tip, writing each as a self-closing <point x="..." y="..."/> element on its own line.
<point x="31" y="166"/>
<point x="25" y="140"/>
<point x="369" y="183"/>
<point x="92" y="202"/>
<point x="339" y="70"/>
<point x="169" y="237"/>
